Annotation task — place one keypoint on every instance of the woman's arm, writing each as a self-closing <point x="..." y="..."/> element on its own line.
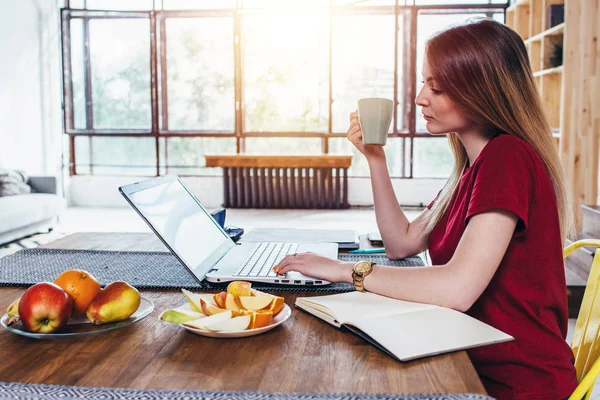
<point x="457" y="284"/>
<point x="401" y="237"/>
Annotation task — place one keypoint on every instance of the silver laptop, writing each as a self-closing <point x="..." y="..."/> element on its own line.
<point x="202" y="246"/>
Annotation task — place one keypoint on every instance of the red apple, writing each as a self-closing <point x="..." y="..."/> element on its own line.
<point x="45" y="307"/>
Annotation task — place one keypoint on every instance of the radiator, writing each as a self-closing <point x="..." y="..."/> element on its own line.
<point x="270" y="181"/>
<point x="254" y="187"/>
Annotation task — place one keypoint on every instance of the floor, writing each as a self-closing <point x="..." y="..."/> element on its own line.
<point x="361" y="220"/>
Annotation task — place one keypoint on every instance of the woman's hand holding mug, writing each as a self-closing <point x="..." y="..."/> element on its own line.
<point x="354" y="135"/>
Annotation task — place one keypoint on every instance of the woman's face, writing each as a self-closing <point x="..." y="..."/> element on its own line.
<point x="441" y="113"/>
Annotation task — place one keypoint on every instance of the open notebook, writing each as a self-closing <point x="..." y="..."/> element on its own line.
<point x="402" y="329"/>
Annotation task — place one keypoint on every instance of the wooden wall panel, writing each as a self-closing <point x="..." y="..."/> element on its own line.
<point x="580" y="131"/>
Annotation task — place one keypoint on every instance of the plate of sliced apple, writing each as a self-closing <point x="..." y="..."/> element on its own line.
<point x="240" y="311"/>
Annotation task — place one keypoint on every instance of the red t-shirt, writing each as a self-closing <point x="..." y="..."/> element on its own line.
<point x="527" y="296"/>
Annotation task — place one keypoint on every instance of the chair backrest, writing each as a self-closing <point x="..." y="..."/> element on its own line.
<point x="585" y="343"/>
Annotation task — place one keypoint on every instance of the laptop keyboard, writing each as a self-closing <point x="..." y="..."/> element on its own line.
<point x="263" y="257"/>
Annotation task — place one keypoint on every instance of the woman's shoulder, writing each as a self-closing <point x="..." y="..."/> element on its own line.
<point x="507" y="149"/>
<point x="506" y="141"/>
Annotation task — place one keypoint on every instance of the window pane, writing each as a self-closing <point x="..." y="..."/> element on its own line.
<point x="82" y="155"/>
<point x="446" y="2"/>
<point x="289" y="145"/>
<point x="427" y="25"/>
<point x="123" y="155"/>
<point x="127" y="5"/>
<point x="200" y="73"/>
<point x="393" y="152"/>
<point x="432" y="158"/>
<point x="120" y="59"/>
<point x="367" y="3"/>
<point x="198" y="4"/>
<point x="185" y="156"/>
<point x="77" y="73"/>
<point x="283" y="3"/>
<point x="286" y="75"/>
<point x="363" y="63"/>
<point x="76" y="4"/>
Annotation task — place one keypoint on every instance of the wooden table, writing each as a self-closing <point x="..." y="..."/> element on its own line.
<point x="303" y="355"/>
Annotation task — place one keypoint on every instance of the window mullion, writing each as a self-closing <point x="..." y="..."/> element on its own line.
<point x="154" y="87"/>
<point x="68" y="106"/>
<point x="67" y="63"/>
<point x="412" y="92"/>
<point x="238" y="78"/>
<point x="330" y="102"/>
<point x="396" y="30"/>
<point x="164" y="92"/>
<point x="87" y="74"/>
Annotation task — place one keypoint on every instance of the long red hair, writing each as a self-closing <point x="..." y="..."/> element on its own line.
<point x="483" y="67"/>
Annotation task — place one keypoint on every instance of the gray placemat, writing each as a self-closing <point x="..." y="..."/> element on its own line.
<point x="10" y="390"/>
<point x="144" y="270"/>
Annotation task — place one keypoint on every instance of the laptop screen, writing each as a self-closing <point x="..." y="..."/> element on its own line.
<point x="184" y="224"/>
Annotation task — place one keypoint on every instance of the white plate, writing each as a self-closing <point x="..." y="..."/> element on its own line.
<point x="278" y="319"/>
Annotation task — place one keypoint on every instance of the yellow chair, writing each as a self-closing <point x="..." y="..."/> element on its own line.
<point x="585" y="345"/>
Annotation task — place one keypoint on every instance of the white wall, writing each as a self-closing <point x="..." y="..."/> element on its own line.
<point x="30" y="93"/>
<point x="101" y="191"/>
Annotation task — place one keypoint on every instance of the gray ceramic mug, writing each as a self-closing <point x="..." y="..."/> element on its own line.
<point x="375" y="115"/>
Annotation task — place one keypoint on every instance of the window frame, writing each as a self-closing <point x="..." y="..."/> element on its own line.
<point x="159" y="86"/>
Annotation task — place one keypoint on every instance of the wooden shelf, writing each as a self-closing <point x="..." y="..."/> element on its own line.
<point x="555" y="70"/>
<point x="519" y="3"/>
<point x="565" y="90"/>
<point x="554" y="31"/>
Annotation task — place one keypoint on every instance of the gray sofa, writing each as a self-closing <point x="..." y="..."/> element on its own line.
<point x="27" y="214"/>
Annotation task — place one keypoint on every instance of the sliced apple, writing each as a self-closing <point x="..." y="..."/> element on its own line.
<point x="203" y="322"/>
<point x="230" y="303"/>
<point x="233" y="324"/>
<point x="239" y="288"/>
<point x="194" y="299"/>
<point x="210" y="308"/>
<point x="219" y="298"/>
<point x="254" y="302"/>
<point x="254" y="292"/>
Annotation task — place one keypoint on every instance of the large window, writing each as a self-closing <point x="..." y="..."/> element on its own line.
<point x="151" y="86"/>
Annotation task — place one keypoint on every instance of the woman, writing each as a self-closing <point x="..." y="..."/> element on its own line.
<point x="495" y="232"/>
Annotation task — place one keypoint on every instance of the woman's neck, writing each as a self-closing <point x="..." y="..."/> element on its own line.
<point x="474" y="141"/>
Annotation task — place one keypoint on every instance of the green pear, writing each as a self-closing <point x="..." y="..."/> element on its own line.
<point x="194" y="300"/>
<point x="178" y="317"/>
<point x="13" y="309"/>
<point x="116" y="302"/>
<point x="180" y="314"/>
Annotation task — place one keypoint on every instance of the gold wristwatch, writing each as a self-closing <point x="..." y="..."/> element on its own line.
<point x="359" y="271"/>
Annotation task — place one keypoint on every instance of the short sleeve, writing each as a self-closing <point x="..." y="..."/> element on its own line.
<point x="504" y="179"/>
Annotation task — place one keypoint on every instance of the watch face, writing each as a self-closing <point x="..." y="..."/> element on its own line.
<point x="362" y="267"/>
